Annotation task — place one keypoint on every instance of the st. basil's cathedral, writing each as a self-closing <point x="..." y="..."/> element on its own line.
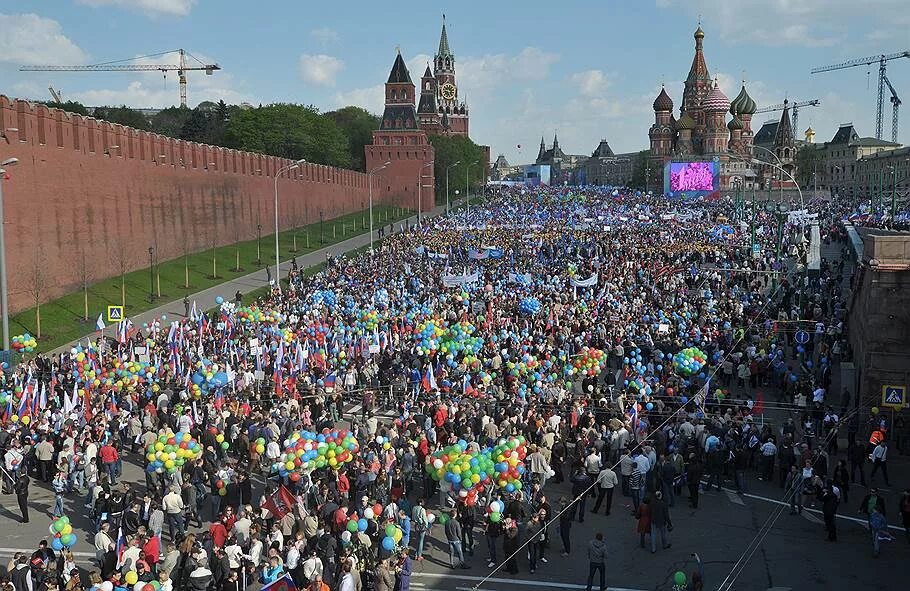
<point x="702" y="131"/>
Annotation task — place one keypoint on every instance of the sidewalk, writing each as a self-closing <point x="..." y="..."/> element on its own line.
<point x="205" y="300"/>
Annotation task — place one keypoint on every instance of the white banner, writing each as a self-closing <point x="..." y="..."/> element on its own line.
<point x="589" y="282"/>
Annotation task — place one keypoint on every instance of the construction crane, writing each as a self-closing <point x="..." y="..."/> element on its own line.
<point x="56" y="94"/>
<point x="118" y="66"/>
<point x="882" y="60"/>
<point x="895" y="107"/>
<point x="795" y="105"/>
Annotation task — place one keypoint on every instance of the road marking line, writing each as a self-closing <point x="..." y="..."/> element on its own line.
<point x="862" y="522"/>
<point x="808" y="516"/>
<point x="513" y="582"/>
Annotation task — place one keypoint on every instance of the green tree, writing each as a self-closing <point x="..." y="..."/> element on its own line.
<point x="170" y="121"/>
<point x="196" y="127"/>
<point x="807" y="159"/>
<point x="69" y="106"/>
<point x="289" y="131"/>
<point x="452" y="149"/>
<point x="122" y="115"/>
<point x="640" y="170"/>
<point x="358" y="125"/>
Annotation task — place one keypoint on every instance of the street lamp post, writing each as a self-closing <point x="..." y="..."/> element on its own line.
<point x="151" y="276"/>
<point x="447" y="183"/>
<point x="4" y="291"/>
<point x="258" y="244"/>
<point x="370" y="183"/>
<point x="281" y="171"/>
<point x="321" y="220"/>
<point x="893" y="193"/>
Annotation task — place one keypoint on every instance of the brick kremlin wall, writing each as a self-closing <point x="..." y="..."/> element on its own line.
<point x="85" y="185"/>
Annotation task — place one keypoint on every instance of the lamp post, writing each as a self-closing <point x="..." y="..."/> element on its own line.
<point x="258" y="244"/>
<point x="419" y="189"/>
<point x="151" y="275"/>
<point x="893" y="193"/>
<point x="321" y="220"/>
<point x="281" y="171"/>
<point x="370" y="183"/>
<point x="4" y="291"/>
<point x="447" y="183"/>
<point x="467" y="192"/>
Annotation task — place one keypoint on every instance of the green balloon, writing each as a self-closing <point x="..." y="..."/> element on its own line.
<point x="495" y="517"/>
<point x="390" y="530"/>
<point x="225" y="445"/>
<point x="679" y="577"/>
<point x="352" y="526"/>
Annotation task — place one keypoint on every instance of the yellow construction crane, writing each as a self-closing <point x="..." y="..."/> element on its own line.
<point x="118" y="66"/>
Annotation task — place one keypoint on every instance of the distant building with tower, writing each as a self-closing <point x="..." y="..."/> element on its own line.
<point x="442" y="110"/>
<point x="702" y="131"/>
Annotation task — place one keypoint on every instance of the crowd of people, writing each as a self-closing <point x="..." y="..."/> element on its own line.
<point x="556" y="318"/>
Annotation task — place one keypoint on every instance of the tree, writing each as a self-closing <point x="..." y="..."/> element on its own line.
<point x="170" y="121"/>
<point x="69" y="106"/>
<point x="37" y="285"/>
<point x="196" y="126"/>
<point x="85" y="277"/>
<point x="640" y="170"/>
<point x="807" y="160"/>
<point x="119" y="254"/>
<point x="288" y="131"/>
<point x="452" y="149"/>
<point x="122" y="115"/>
<point x="358" y="125"/>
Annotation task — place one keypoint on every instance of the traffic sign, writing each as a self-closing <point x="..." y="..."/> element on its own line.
<point x="894" y="396"/>
<point x="801" y="337"/>
<point x="114" y="313"/>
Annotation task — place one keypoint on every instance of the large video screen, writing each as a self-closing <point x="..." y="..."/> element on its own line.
<point x="692" y="176"/>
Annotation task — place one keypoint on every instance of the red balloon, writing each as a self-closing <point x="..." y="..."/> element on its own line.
<point x="219" y="484"/>
<point x="669" y="391"/>
<point x="377" y="509"/>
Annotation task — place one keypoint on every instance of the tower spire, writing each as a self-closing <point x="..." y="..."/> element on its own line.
<point x="444" y="39"/>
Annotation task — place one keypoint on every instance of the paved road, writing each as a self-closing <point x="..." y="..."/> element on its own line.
<point x="793" y="555"/>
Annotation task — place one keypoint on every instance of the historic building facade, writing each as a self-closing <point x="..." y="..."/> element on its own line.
<point x="702" y="131"/>
<point x="441" y="109"/>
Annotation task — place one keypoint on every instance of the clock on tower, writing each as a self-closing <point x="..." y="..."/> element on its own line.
<point x="448" y="91"/>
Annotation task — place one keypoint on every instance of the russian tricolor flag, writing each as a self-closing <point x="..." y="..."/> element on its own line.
<point x="429" y="380"/>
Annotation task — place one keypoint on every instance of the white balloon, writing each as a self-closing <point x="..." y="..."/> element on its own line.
<point x="139" y="585"/>
<point x="431" y="517"/>
<point x="107" y="586"/>
<point x="368" y="513"/>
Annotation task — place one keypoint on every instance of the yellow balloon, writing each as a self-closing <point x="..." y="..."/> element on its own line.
<point x="26" y="420"/>
<point x="132" y="577"/>
<point x="14" y="418"/>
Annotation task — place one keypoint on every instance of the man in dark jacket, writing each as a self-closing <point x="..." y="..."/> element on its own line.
<point x="453" y="537"/>
<point x="597" y="561"/>
<point x="21" y="488"/>
<point x="580" y="484"/>
<point x="660" y="522"/>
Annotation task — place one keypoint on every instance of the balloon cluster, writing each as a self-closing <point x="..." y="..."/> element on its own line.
<point x="207" y="376"/>
<point x="132" y="579"/>
<point x="171" y="451"/>
<point x="324" y="296"/>
<point x="509" y="455"/>
<point x="589" y="361"/>
<point x="467" y="472"/>
<point x="62" y="530"/>
<point x="257" y="315"/>
<point x="428" y="336"/>
<point x="529" y="306"/>
<point x="495" y="510"/>
<point x="393" y="535"/>
<point x="459" y="338"/>
<point x="305" y="451"/>
<point x="689" y="361"/>
<point x="24" y="343"/>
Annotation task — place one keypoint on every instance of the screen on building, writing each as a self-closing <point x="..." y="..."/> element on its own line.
<point x="692" y="176"/>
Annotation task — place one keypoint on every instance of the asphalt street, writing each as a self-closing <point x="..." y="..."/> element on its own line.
<point x="793" y="554"/>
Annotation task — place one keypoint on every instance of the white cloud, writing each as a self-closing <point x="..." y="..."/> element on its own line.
<point x="325" y="35"/>
<point x="481" y="75"/>
<point x="807" y="23"/>
<point x="320" y="69"/>
<point x="371" y="98"/>
<point x="33" y="39"/>
<point x="591" y="83"/>
<point x="150" y="7"/>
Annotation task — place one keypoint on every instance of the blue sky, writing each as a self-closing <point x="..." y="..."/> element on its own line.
<point x="588" y="70"/>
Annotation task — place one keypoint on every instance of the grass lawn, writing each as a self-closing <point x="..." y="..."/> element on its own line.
<point x="63" y="320"/>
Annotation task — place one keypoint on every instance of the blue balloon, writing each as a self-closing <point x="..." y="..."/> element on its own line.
<point x="219" y="300"/>
<point x="56" y="544"/>
<point x="388" y="544"/>
<point x="362" y="524"/>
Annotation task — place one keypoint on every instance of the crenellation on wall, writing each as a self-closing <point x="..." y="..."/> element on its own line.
<point x="116" y="205"/>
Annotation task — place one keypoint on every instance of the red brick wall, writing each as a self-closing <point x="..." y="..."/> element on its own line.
<point x="67" y="195"/>
<point x="398" y="182"/>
